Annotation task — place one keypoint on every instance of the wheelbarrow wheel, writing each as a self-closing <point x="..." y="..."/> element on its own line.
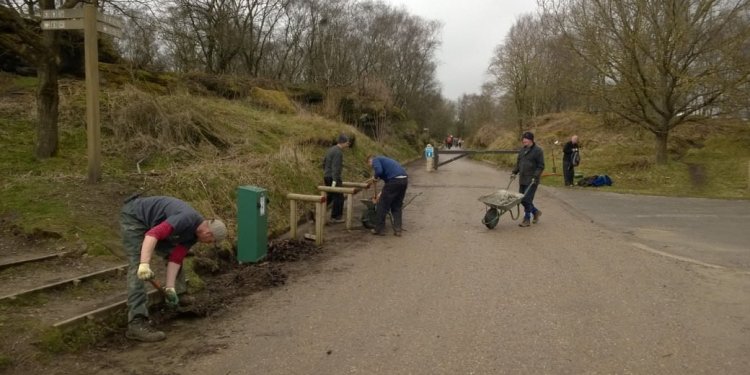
<point x="491" y="218"/>
<point x="369" y="214"/>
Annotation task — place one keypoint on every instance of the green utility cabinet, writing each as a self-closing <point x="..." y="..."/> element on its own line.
<point x="252" y="224"/>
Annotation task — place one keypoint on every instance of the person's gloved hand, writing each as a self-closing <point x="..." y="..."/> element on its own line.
<point x="170" y="297"/>
<point x="144" y="272"/>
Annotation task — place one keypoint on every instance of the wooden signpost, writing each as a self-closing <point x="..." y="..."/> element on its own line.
<point x="90" y="21"/>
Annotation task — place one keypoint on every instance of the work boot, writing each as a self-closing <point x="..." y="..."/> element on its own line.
<point x="140" y="329"/>
<point x="525" y="223"/>
<point x="537" y="215"/>
<point x="336" y="221"/>
<point x="397" y="233"/>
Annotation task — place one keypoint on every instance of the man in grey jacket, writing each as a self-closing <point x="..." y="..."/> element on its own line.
<point x="529" y="166"/>
<point x="333" y="165"/>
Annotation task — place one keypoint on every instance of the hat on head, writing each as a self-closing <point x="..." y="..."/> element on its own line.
<point x="528" y="135"/>
<point x="218" y="229"/>
<point x="342" y="139"/>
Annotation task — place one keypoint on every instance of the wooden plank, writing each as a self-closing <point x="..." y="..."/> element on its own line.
<point x="324" y="209"/>
<point x="52" y="14"/>
<point x="93" y="127"/>
<point x="68" y="24"/>
<point x="109" y="30"/>
<point x="320" y="211"/>
<point x="472" y="152"/>
<point x="293" y="218"/>
<point x="306" y="197"/>
<point x="342" y="190"/>
<point x="362" y="185"/>
<point x="32" y="259"/>
<point x="154" y="298"/>
<point x="349" y="210"/>
<point x="66" y="281"/>
<point x="110" y="20"/>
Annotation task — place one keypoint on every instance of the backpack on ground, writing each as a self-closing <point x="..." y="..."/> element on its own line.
<point x="587" y="181"/>
<point x="602" y="180"/>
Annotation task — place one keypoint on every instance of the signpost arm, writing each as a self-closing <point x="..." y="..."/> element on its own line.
<point x="92" y="93"/>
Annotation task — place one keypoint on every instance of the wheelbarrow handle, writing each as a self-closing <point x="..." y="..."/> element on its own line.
<point x="512" y="177"/>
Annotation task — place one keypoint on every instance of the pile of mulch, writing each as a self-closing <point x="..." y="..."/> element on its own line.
<point x="291" y="250"/>
<point x="226" y="280"/>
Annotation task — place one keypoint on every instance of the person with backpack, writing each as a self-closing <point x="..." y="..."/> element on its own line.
<point x="571" y="159"/>
<point x="529" y="166"/>
<point x="333" y="166"/>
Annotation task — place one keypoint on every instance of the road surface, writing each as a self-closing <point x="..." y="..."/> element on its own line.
<point x="565" y="296"/>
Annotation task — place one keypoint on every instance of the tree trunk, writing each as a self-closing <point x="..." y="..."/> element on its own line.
<point x="47" y="99"/>
<point x="661" y="147"/>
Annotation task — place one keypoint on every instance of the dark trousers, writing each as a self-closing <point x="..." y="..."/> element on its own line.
<point x="528" y="199"/>
<point x="391" y="199"/>
<point x="568" y="171"/>
<point x="335" y="199"/>
<point x="133" y="232"/>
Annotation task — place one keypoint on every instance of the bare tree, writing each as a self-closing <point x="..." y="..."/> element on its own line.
<point x="659" y="62"/>
<point x="516" y="64"/>
<point x="140" y="42"/>
<point x="19" y="34"/>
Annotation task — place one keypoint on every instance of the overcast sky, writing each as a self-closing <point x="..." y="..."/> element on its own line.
<point x="471" y="30"/>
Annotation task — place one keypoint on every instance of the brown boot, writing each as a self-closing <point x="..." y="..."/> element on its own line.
<point x="537" y="215"/>
<point x="525" y="223"/>
<point x="140" y="329"/>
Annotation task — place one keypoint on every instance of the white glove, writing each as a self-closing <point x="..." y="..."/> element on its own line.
<point x="144" y="272"/>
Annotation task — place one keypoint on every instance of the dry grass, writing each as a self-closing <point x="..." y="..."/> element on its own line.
<point x="271" y="99"/>
<point x="707" y="159"/>
<point x="198" y="148"/>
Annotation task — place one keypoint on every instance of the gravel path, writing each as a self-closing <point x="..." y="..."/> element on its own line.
<point x="451" y="297"/>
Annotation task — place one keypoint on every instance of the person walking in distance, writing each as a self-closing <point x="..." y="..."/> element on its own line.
<point x="529" y="166"/>
<point x="333" y="165"/>
<point x="391" y="198"/>
<point x="571" y="159"/>
<point x="167" y="227"/>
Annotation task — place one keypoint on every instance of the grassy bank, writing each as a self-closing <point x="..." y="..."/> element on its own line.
<point x="196" y="147"/>
<point x="710" y="158"/>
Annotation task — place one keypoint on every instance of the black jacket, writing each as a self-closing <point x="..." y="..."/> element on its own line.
<point x="530" y="164"/>
<point x="568" y="149"/>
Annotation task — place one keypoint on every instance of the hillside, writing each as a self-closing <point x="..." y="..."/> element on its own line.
<point x="708" y="158"/>
<point x="162" y="138"/>
<point x="197" y="138"/>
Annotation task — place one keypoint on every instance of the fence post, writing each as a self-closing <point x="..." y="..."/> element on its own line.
<point x="293" y="218"/>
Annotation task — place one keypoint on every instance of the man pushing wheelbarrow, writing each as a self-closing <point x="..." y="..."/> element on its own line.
<point x="529" y="167"/>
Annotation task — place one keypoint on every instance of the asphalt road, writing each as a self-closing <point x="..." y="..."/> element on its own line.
<point x="711" y="231"/>
<point x="565" y="296"/>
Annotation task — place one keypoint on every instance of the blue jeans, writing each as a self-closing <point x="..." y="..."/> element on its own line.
<point x="528" y="200"/>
